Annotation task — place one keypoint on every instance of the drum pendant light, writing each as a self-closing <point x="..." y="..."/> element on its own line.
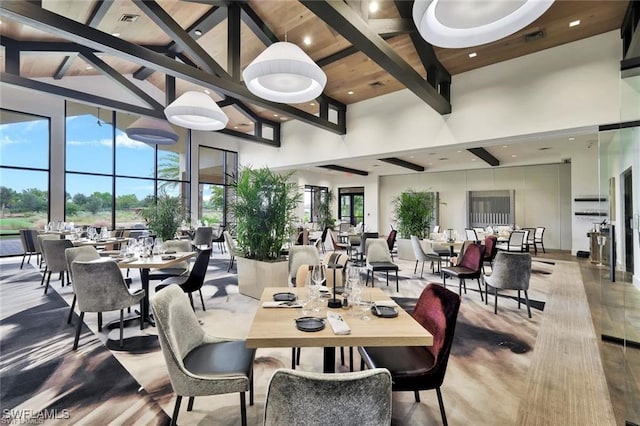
<point x="197" y="111"/>
<point x="152" y="131"/>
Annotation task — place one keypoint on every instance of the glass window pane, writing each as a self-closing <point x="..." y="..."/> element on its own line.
<point x="211" y="165"/>
<point x="173" y="160"/>
<point x="133" y="158"/>
<point x="211" y="204"/>
<point x="89" y="199"/>
<point x="21" y="134"/>
<point x="89" y="136"/>
<point x="24" y="200"/>
<point x="132" y="196"/>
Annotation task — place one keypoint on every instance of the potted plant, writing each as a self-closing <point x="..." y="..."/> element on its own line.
<point x="164" y="216"/>
<point x="325" y="218"/>
<point x="414" y="212"/>
<point x="264" y="209"/>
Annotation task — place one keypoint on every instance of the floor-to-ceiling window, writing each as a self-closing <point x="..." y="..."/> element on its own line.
<point x="216" y="171"/>
<point x="351" y="205"/>
<point x="24" y="176"/>
<point x="110" y="179"/>
<point x="312" y="199"/>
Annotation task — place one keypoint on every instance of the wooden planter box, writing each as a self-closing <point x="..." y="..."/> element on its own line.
<point x="255" y="275"/>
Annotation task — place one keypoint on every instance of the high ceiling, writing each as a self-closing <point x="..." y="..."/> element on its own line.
<point x="364" y="54"/>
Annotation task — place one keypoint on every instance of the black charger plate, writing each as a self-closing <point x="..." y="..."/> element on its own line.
<point x="284" y="297"/>
<point x="309" y="324"/>
<point x="384" y="311"/>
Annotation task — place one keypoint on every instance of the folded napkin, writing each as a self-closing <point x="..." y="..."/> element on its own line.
<point x="338" y="323"/>
<point x="389" y="303"/>
<point x="294" y="304"/>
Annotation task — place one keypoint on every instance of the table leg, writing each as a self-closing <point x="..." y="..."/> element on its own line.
<point x="329" y="360"/>
<point x="144" y="279"/>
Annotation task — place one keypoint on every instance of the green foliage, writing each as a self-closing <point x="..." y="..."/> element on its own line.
<point x="325" y="218"/>
<point x="165" y="216"/>
<point x="126" y="201"/>
<point x="264" y="209"/>
<point x="414" y="212"/>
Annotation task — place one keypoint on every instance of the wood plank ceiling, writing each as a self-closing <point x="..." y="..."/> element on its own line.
<point x="352" y="75"/>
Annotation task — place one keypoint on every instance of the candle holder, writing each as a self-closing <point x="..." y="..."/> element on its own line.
<point x="334" y="302"/>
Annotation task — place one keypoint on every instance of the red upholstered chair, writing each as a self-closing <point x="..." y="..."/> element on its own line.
<point x="470" y="266"/>
<point x="391" y="241"/>
<point x="416" y="368"/>
<point x="490" y="250"/>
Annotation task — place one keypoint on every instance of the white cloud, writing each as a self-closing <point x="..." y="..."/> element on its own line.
<point x="122" y="140"/>
<point x="7" y="140"/>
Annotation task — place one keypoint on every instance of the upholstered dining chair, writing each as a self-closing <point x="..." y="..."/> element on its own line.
<point x="361" y="250"/>
<point x="199" y="364"/>
<point x="336" y="258"/>
<point x="511" y="271"/>
<point x="422" y="256"/>
<point x="53" y="252"/>
<point x="203" y="236"/>
<point x="469" y="267"/>
<point x="232" y="249"/>
<point x="100" y="287"/>
<point x="301" y="255"/>
<point x="177" y="270"/>
<point x="490" y="250"/>
<point x="391" y="242"/>
<point x="416" y="368"/>
<point x="39" y="239"/>
<point x="192" y="282"/>
<point x="309" y="398"/>
<point x="517" y="242"/>
<point x="218" y="238"/>
<point x="379" y="260"/>
<point x="83" y="253"/>
<point x="539" y="239"/>
<point x="28" y="244"/>
<point x="470" y="235"/>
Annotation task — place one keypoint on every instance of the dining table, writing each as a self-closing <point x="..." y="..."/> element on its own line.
<point x="275" y="327"/>
<point x="99" y="242"/>
<point x="145" y="264"/>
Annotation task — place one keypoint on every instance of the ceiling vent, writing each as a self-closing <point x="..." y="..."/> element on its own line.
<point x="537" y="35"/>
<point x="376" y="84"/>
<point x="128" y="17"/>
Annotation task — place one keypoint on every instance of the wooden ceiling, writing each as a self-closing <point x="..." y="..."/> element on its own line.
<point x="352" y="75"/>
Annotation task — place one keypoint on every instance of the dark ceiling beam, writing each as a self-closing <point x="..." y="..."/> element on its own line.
<point x="254" y="138"/>
<point x="402" y="163"/>
<point x="630" y="31"/>
<point x="347" y="51"/>
<point x="119" y="79"/>
<point x="485" y="156"/>
<point x="345" y="169"/>
<point x="257" y="25"/>
<point x="219" y="3"/>
<point x="50" y="22"/>
<point x="233" y="42"/>
<point x="12" y="55"/>
<point x="64" y="66"/>
<point x="350" y="25"/>
<point x="392" y="26"/>
<point x="57" y="46"/>
<point x="26" y="83"/>
<point x="143" y="73"/>
<point x="180" y="37"/>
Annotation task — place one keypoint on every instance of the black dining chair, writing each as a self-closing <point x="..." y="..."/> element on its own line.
<point x="194" y="281"/>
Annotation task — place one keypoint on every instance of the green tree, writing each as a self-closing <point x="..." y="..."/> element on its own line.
<point x="216" y="202"/>
<point x="80" y="199"/>
<point x="169" y="168"/>
<point x="33" y="200"/>
<point x="127" y="201"/>
<point x="7" y="198"/>
<point x="93" y="204"/>
<point x="71" y="209"/>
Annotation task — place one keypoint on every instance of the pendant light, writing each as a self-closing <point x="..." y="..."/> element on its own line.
<point x="197" y="111"/>
<point x="152" y="131"/>
<point x="467" y="23"/>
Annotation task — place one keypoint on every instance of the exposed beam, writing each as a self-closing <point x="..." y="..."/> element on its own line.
<point x="233" y="42"/>
<point x="257" y="25"/>
<point x="485" y="156"/>
<point x="345" y="169"/>
<point x="350" y="25"/>
<point x="64" y="66"/>
<point x="59" y="46"/>
<point x="392" y="26"/>
<point x="402" y="163"/>
<point x="56" y="24"/>
<point x="119" y="79"/>
<point x="347" y="51"/>
<point x="26" y="83"/>
<point x="274" y="143"/>
<point x="180" y="37"/>
<point x="143" y="73"/>
<point x="630" y="31"/>
<point x="12" y="58"/>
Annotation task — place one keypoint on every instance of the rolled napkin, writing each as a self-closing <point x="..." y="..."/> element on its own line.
<point x="294" y="304"/>
<point x="338" y="324"/>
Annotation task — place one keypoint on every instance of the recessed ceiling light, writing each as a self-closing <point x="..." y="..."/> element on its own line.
<point x="350" y="92"/>
<point x="373" y="7"/>
<point x="572" y="139"/>
<point x="307" y="40"/>
<point x="430" y="164"/>
<point x="473" y="54"/>
<point x="412" y="156"/>
<point x="115" y="34"/>
<point x="207" y="91"/>
<point x="275" y="115"/>
<point x="235" y="127"/>
<point x="283" y="118"/>
<point x="198" y="33"/>
<point x="513" y="156"/>
<point x="88" y="67"/>
<point x="312" y="104"/>
<point x="574" y="23"/>
<point x="505" y="146"/>
<point x="459" y="150"/>
<point x="473" y="159"/>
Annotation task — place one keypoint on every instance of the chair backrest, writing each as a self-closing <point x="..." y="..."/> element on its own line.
<point x="302" y="255"/>
<point x="437" y="311"/>
<point x="179" y="246"/>
<point x="335" y="258"/>
<point x="511" y="271"/>
<point x="490" y="247"/>
<point x="377" y="251"/>
<point x="198" y="272"/>
<point x="178" y="332"/>
<point x="539" y="234"/>
<point x="436" y="229"/>
<point x="358" y="398"/>
<point x="473" y="257"/>
<point x="363" y="240"/>
<point x="303" y="237"/>
<point x="203" y="236"/>
<point x="40" y="238"/>
<point x="230" y="243"/>
<point x="418" y="251"/>
<point x="99" y="286"/>
<point x="344" y="227"/>
<point x="517" y="240"/>
<point x="23" y="239"/>
<point x="83" y="253"/>
<point x="54" y="254"/>
<point x="470" y="235"/>
<point x="391" y="239"/>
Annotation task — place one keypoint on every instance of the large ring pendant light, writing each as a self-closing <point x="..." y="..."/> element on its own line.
<point x="467" y="23"/>
<point x="197" y="111"/>
<point x="284" y="73"/>
<point x="152" y="131"/>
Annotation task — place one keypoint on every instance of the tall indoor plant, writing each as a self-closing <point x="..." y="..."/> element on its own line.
<point x="414" y="212"/>
<point x="164" y="216"/>
<point x="325" y="218"/>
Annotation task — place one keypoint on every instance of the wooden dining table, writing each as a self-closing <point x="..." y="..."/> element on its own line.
<point x="276" y="328"/>
<point x="96" y="243"/>
<point x="144" y="264"/>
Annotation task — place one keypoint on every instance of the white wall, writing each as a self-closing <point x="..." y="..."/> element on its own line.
<point x="541" y="194"/>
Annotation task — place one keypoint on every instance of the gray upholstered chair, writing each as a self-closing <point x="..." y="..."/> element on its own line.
<point x="230" y="244"/>
<point x="199" y="364"/>
<point x="511" y="271"/>
<point x="538" y="238"/>
<point x="28" y="238"/>
<point x="83" y="253"/>
<point x="517" y="242"/>
<point x="39" y="239"/>
<point x="379" y="259"/>
<point x="301" y="255"/>
<point x="177" y="270"/>
<point x="423" y="256"/>
<point x="100" y="287"/>
<point x="203" y="236"/>
<point x="308" y="398"/>
<point x="53" y="252"/>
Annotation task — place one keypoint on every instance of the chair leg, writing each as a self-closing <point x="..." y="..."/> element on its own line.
<point x="243" y="409"/>
<point x="351" y="359"/>
<point x="366" y="283"/>
<point x="441" y="403"/>
<point x="416" y="268"/>
<point x="78" y="328"/>
<point x="190" y="403"/>
<point x="176" y="410"/>
<point x="422" y="270"/>
<point x="100" y="321"/>
<point x="23" y="256"/>
<point x="293" y="358"/>
<point x="387" y="278"/>
<point x="201" y="299"/>
<point x="397" y="283"/>
<point x="73" y="305"/>
<point x="141" y="318"/>
<point x="46" y="287"/>
<point x="361" y="364"/>
<point x="251" y="388"/>
<point x="416" y="394"/>
<point x="480" y="288"/>
<point x="191" y="300"/>
<point x="495" y="300"/>
<point x="121" y="328"/>
<point x="518" y="299"/>
<point x="298" y="356"/>
<point x="341" y="355"/>
<point x="526" y="299"/>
